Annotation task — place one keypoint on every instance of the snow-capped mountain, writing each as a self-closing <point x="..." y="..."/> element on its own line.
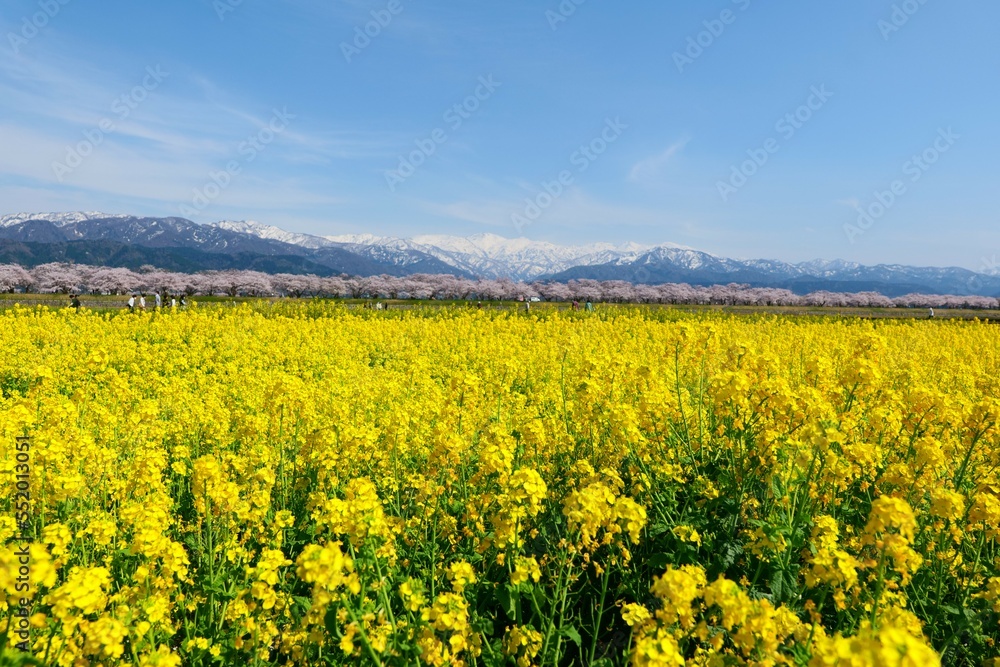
<point x="492" y="256"/>
<point x="272" y="233"/>
<point x="58" y="219"/>
<point x="183" y="245"/>
<point x="485" y="255"/>
<point x="130" y="230"/>
<point x="522" y="259"/>
<point x="180" y="244"/>
<point x="400" y="252"/>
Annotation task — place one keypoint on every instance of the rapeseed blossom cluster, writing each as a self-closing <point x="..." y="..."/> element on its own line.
<point x="299" y="484"/>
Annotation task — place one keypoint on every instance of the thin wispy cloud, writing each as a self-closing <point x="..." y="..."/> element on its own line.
<point x="651" y="167"/>
<point x="379" y="111"/>
<point x="159" y="147"/>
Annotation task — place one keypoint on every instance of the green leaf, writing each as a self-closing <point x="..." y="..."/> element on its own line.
<point x="509" y="600"/>
<point x="484" y="626"/>
<point x="971" y="617"/>
<point x="571" y="633"/>
<point x="729" y="552"/>
<point x="660" y="561"/>
<point x="330" y="620"/>
<point x="777" y="584"/>
<point x="658" y="529"/>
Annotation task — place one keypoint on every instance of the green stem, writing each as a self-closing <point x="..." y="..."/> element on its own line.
<point x="364" y="635"/>
<point x="600" y="615"/>
<point x="878" y="587"/>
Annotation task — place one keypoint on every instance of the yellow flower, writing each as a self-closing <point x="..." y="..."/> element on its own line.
<point x="678" y="588"/>
<point x="947" y="504"/>
<point x="524" y="569"/>
<point x="104" y="638"/>
<point x="461" y="575"/>
<point x="657" y="650"/>
<point x="891" y="513"/>
<point x="523" y="643"/>
<point x="687" y="534"/>
<point x="83" y="591"/>
<point x="635" y="614"/>
<point x="329" y="570"/>
<point x="412" y="592"/>
<point x="889" y="645"/>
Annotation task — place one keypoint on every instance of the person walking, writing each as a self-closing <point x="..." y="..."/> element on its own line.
<point x="590" y="307"/>
<point x="184" y="302"/>
<point x="159" y="301"/>
<point x="173" y="303"/>
<point x="142" y="302"/>
<point x="75" y="302"/>
<point x="131" y="303"/>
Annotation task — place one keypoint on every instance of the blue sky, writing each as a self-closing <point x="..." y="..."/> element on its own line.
<point x="257" y="110"/>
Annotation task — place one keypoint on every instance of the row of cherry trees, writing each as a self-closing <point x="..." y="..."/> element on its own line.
<point x="69" y="278"/>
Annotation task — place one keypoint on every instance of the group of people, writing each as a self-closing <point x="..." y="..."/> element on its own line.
<point x="378" y="305"/>
<point x="576" y="306"/>
<point x="140" y="302"/>
<point x="159" y="300"/>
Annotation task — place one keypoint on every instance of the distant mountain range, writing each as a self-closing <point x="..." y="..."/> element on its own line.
<point x="178" y="244"/>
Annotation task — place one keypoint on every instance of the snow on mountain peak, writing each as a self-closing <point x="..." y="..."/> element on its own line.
<point x="271" y="232"/>
<point x="59" y="219"/>
<point x="360" y="239"/>
<point x="484" y="254"/>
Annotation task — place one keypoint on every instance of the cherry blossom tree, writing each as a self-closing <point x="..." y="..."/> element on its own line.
<point x="336" y="286"/>
<point x="66" y="277"/>
<point x="255" y="283"/>
<point x="57" y="277"/>
<point x="13" y="277"/>
<point x="112" y="280"/>
<point x="288" y="284"/>
<point x="554" y="291"/>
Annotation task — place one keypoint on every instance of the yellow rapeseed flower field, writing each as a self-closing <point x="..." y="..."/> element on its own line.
<point x="297" y="484"/>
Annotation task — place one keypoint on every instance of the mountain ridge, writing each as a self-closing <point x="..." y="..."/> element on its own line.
<point x="482" y="255"/>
